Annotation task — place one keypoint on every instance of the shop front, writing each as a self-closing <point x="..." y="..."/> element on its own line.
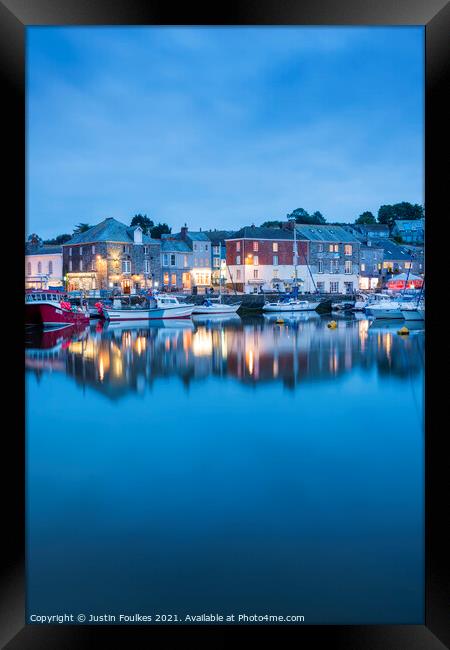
<point x="81" y="281"/>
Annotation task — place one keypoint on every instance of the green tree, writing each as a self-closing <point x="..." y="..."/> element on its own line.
<point x="366" y="218"/>
<point x="81" y="227"/>
<point x="34" y="239"/>
<point x="160" y="229"/>
<point x="272" y="224"/>
<point x="59" y="239"/>
<point x="302" y="216"/>
<point x="143" y="221"/>
<point x="387" y="214"/>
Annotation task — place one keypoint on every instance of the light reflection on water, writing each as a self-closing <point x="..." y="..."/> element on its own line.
<point x="234" y="465"/>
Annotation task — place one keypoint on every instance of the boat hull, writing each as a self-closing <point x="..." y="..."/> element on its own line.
<point x="385" y="314"/>
<point x="49" y="315"/>
<point x="148" y="314"/>
<point x="215" y="309"/>
<point x="413" y="314"/>
<point x="312" y="306"/>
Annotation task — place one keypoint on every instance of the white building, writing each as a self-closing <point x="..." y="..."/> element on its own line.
<point x="43" y="267"/>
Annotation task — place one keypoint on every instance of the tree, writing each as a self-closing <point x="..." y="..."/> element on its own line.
<point x="143" y="221"/>
<point x="366" y="218"/>
<point x="81" y="227"/>
<point x="35" y="240"/>
<point x="302" y="216"/>
<point x="59" y="239"/>
<point x="272" y="224"/>
<point x="387" y="214"/>
<point x="160" y="229"/>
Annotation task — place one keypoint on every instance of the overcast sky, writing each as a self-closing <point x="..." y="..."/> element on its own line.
<point x="220" y="127"/>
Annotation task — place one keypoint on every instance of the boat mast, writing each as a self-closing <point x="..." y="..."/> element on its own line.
<point x="294" y="250"/>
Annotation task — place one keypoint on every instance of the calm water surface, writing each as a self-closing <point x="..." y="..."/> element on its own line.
<point x="234" y="466"/>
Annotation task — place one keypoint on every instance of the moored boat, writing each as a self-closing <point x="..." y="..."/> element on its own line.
<point x="52" y="308"/>
<point x="151" y="308"/>
<point x="290" y="304"/>
<point x="212" y="307"/>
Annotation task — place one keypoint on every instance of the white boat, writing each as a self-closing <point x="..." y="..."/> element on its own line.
<point x="387" y="310"/>
<point x="361" y="302"/>
<point x="414" y="312"/>
<point x="215" y="306"/>
<point x="291" y="304"/>
<point x="156" y="308"/>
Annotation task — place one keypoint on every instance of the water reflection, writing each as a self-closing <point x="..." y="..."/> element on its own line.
<point x="118" y="358"/>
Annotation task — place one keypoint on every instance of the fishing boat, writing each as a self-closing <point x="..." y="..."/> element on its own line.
<point x="291" y="304"/>
<point x="344" y="305"/>
<point x="212" y="306"/>
<point x="52" y="308"/>
<point x="154" y="307"/>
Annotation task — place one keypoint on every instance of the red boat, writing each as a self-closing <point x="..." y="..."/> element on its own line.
<point x="50" y="308"/>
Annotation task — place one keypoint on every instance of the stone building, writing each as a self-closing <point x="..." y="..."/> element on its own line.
<point x="176" y="265"/>
<point x="200" y="247"/>
<point x="371" y="266"/>
<point x="112" y="255"/>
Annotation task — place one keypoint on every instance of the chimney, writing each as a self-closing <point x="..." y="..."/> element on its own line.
<point x="184" y="230"/>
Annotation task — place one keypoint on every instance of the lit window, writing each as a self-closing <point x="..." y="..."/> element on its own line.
<point x="174" y="279"/>
<point x="166" y="278"/>
<point x="407" y="265"/>
<point x="348" y="249"/>
<point x="255" y="260"/>
<point x="334" y="248"/>
<point x="255" y="246"/>
<point x="363" y="267"/>
<point x="275" y="247"/>
<point x="238" y="246"/>
<point x="185" y="260"/>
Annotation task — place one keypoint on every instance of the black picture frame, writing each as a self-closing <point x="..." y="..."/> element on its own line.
<point x="15" y="16"/>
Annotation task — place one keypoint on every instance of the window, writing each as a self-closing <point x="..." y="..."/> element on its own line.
<point x="334" y="248"/>
<point x="255" y="274"/>
<point x="81" y="250"/>
<point x="166" y="278"/>
<point x="334" y="287"/>
<point x="29" y="268"/>
<point x="93" y="249"/>
<point x="172" y="260"/>
<point x="255" y="246"/>
<point x="145" y="250"/>
<point x="185" y="260"/>
<point x="238" y="274"/>
<point x="321" y="287"/>
<point x="195" y="247"/>
<point x="255" y="260"/>
<point x="348" y="249"/>
<point x="334" y="266"/>
<point x="70" y="265"/>
<point x="348" y="287"/>
<point x="165" y="260"/>
<point x="70" y="252"/>
<point x="320" y="266"/>
<point x="238" y="246"/>
<point x="238" y="259"/>
<point x="320" y="248"/>
<point x="216" y="262"/>
<point x="275" y="260"/>
<point x="348" y="266"/>
<point x="126" y="266"/>
<point x="407" y="265"/>
<point x="174" y="279"/>
<point x="81" y="265"/>
<point x="363" y="267"/>
<point x="146" y="266"/>
<point x="39" y="267"/>
<point x="206" y="247"/>
<point x="93" y="265"/>
<point x="50" y="267"/>
<point x="275" y="247"/>
<point x="216" y="250"/>
<point x="126" y="249"/>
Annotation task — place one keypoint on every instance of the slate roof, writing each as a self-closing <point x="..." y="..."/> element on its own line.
<point x="410" y="225"/>
<point x="391" y="250"/>
<point x="259" y="232"/>
<point x="108" y="230"/>
<point x="46" y="249"/>
<point x="325" y="233"/>
<point x="218" y="236"/>
<point x="171" y="246"/>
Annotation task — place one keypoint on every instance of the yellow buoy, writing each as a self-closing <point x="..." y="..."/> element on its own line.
<point x="403" y="331"/>
<point x="332" y="325"/>
<point x="279" y="321"/>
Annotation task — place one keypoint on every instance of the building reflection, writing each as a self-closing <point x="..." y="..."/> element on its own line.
<point x="116" y="359"/>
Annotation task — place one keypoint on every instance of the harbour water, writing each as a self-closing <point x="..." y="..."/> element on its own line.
<point x="228" y="466"/>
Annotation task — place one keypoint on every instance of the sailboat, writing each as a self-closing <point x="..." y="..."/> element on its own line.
<point x="212" y="306"/>
<point x="415" y="312"/>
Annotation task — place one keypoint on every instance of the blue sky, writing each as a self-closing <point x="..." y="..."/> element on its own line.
<point x="220" y="127"/>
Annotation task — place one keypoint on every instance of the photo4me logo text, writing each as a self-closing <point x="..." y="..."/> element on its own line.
<point x="123" y="619"/>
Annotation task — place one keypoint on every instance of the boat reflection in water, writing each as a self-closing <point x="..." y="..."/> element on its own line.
<point x="118" y="358"/>
<point x="227" y="465"/>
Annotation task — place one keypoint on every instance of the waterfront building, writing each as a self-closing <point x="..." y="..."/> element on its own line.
<point x="112" y="255"/>
<point x="219" y="270"/>
<point x="409" y="231"/>
<point x="370" y="267"/>
<point x="177" y="264"/>
<point x="333" y="258"/>
<point x="43" y="266"/>
<point x="262" y="258"/>
<point x="200" y="246"/>
<point x="368" y="231"/>
<point x="398" y="259"/>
